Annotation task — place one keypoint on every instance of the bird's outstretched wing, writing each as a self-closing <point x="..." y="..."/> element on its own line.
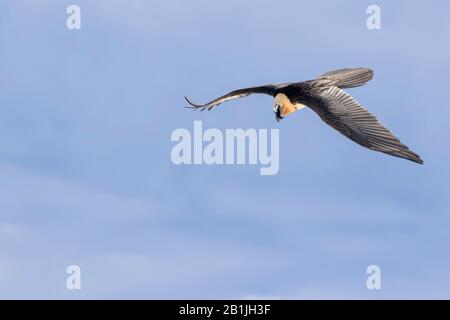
<point x="267" y="89"/>
<point x="339" y="110"/>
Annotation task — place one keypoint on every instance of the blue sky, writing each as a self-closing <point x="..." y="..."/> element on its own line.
<point x="85" y="124"/>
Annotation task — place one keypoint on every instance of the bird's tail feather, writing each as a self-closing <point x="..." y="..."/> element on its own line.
<point x="349" y="78"/>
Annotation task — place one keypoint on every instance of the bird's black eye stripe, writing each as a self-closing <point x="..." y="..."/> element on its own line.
<point x="279" y="112"/>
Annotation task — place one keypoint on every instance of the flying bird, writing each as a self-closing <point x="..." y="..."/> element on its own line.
<point x="334" y="106"/>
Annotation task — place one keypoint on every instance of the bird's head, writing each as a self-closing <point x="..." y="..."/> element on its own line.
<point x="280" y="101"/>
<point x="283" y="106"/>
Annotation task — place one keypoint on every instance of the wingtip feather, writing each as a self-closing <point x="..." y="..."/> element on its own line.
<point x="189" y="101"/>
<point x="194" y="106"/>
<point x="411" y="156"/>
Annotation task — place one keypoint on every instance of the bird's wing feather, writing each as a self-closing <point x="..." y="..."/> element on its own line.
<point x="267" y="89"/>
<point x="339" y="110"/>
<point x="349" y="77"/>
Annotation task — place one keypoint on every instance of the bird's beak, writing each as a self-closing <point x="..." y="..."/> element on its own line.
<point x="278" y="116"/>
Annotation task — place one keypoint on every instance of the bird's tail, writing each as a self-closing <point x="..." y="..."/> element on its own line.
<point x="349" y="78"/>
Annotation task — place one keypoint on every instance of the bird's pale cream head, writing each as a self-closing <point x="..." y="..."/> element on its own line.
<point x="283" y="106"/>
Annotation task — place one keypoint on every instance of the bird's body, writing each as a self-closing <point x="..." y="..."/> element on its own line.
<point x="334" y="106"/>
